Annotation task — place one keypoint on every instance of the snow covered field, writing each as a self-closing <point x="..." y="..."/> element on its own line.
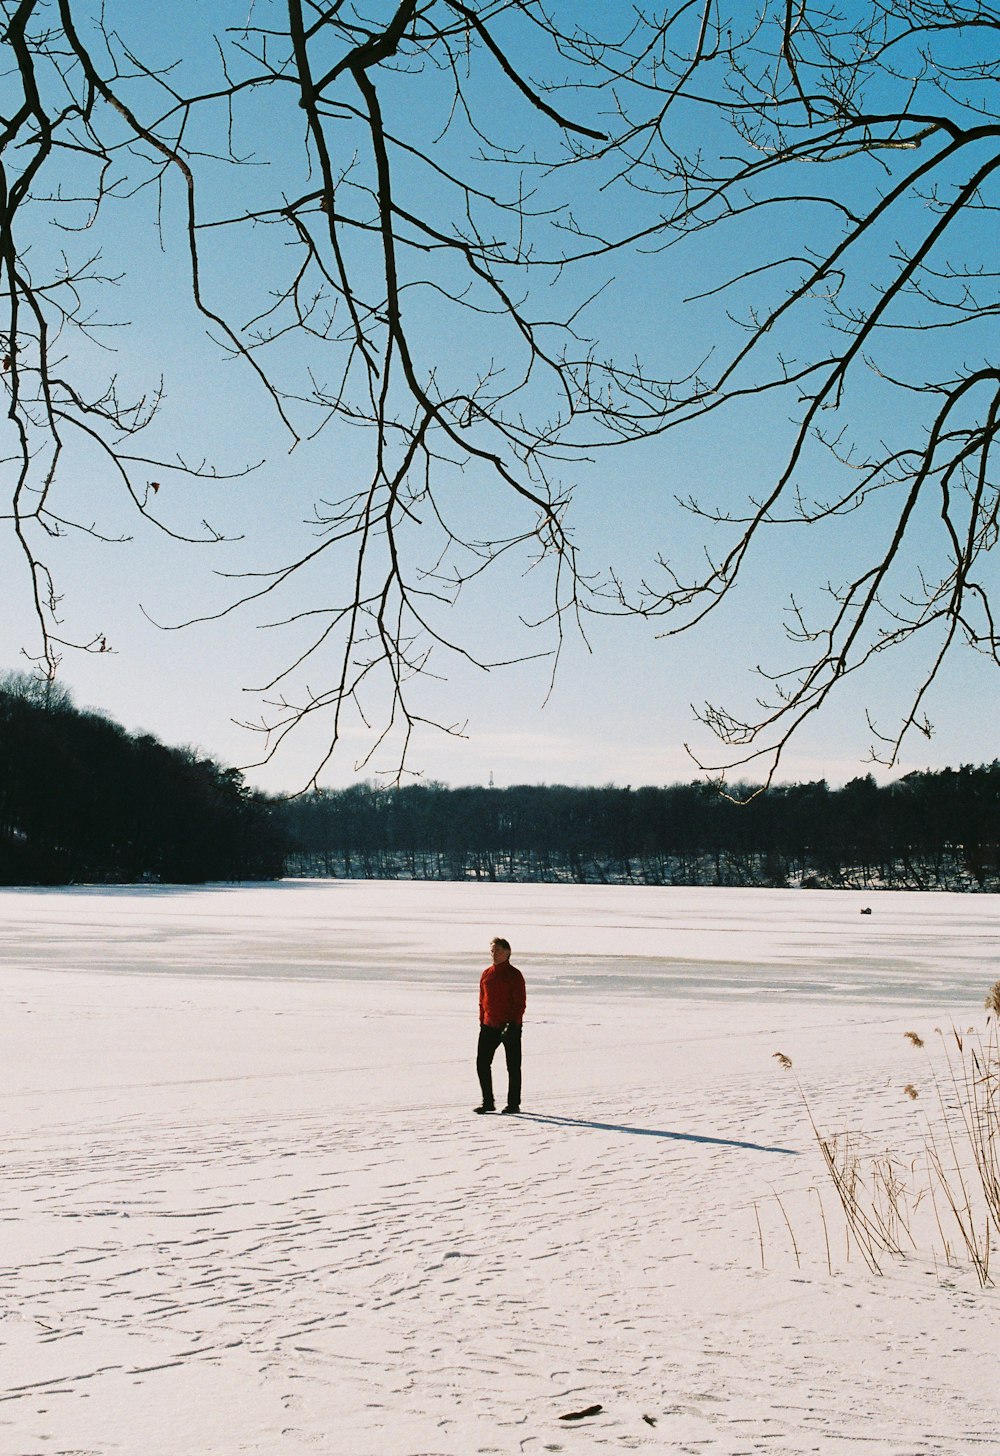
<point x="245" y="1207"/>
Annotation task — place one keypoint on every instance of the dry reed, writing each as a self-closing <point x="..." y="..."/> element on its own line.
<point x="960" y="1168"/>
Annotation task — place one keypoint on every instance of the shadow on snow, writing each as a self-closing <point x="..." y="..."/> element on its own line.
<point x="681" y="1137"/>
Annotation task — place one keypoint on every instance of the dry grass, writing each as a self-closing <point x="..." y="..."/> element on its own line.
<point x="952" y="1185"/>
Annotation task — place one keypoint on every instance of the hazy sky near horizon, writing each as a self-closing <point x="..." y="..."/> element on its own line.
<point x="623" y="702"/>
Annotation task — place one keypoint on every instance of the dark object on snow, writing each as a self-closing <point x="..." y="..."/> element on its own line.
<point x="650" y="1420"/>
<point x="592" y="1410"/>
<point x="867" y="910"/>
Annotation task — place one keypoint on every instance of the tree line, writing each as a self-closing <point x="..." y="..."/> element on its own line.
<point x="83" y="800"/>
<point x="929" y="830"/>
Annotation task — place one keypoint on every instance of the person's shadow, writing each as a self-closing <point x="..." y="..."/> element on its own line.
<point x="680" y="1137"/>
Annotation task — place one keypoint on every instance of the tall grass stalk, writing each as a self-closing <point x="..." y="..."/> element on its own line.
<point x="961" y="1166"/>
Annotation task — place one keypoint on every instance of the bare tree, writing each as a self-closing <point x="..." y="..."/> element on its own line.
<point x="867" y="137"/>
<point x="429" y="197"/>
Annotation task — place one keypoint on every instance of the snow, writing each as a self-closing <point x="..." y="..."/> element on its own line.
<point x="246" y="1208"/>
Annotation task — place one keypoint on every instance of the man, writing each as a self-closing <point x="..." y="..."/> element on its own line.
<point x="501" y="1011"/>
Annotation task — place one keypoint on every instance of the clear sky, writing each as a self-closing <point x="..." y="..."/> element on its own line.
<point x="623" y="702"/>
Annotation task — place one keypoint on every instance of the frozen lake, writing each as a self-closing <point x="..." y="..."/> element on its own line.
<point x="247" y="1210"/>
<point x="608" y="939"/>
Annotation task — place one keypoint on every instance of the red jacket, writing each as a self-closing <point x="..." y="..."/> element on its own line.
<point x="502" y="996"/>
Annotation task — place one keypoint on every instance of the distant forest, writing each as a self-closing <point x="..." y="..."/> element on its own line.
<point x="925" y="831"/>
<point x="82" y="800"/>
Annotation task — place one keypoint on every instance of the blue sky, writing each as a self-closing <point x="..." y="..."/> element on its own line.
<point x="619" y="710"/>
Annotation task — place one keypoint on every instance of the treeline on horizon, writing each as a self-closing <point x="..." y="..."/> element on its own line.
<point x="928" y="830"/>
<point x="82" y="800"/>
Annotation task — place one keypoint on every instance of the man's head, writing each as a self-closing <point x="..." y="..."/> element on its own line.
<point x="500" y="949"/>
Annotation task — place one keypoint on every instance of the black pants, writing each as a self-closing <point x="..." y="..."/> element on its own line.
<point x="490" y="1038"/>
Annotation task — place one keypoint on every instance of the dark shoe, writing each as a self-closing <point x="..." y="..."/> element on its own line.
<point x="509" y="1109"/>
<point x="485" y="1107"/>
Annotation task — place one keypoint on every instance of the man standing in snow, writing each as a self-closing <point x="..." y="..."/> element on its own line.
<point x="501" y="1011"/>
